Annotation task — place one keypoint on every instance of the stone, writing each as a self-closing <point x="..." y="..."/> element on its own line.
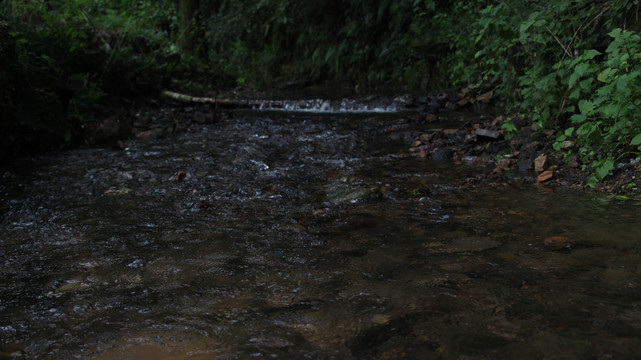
<point x="567" y="145"/>
<point x="524" y="165"/>
<point x="431" y="118"/>
<point x="503" y="164"/>
<point x="545" y="176"/>
<point x="179" y="176"/>
<point x="351" y="194"/>
<point x="485" y="97"/>
<point x="470" y="139"/>
<point x="450" y="132"/>
<point x="149" y="134"/>
<point x="558" y="242"/>
<point x="498" y="121"/>
<point x="497" y="147"/>
<point x="528" y="151"/>
<point x="541" y="163"/>
<point x="425" y="138"/>
<point x="442" y="154"/>
<point x="470" y="244"/>
<point x="490" y="134"/>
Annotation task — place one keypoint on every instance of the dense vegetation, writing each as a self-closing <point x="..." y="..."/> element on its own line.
<point x="572" y="66"/>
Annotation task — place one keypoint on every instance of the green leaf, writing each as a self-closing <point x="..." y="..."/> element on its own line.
<point x="585" y="129"/>
<point x="586" y="107"/>
<point x="610" y="111"/>
<point x="615" y="33"/>
<point x="636" y="140"/>
<point x="606" y="75"/>
<point x="578" y="118"/>
<point x="590" y="54"/>
<point x="603" y="170"/>
<point x="581" y="69"/>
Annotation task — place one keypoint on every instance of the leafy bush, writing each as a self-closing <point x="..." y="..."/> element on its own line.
<point x="65" y="56"/>
<point x="568" y="65"/>
<point x="606" y="89"/>
<point x="275" y="41"/>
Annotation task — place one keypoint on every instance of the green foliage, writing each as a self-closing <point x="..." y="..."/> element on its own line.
<point x="603" y="100"/>
<point x="569" y="65"/>
<point x="275" y="41"/>
<point x="60" y="58"/>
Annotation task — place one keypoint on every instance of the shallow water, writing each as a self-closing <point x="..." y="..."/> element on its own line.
<point x="302" y="236"/>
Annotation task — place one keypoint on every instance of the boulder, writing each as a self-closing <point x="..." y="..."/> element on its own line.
<point x="490" y="134"/>
<point x="442" y="154"/>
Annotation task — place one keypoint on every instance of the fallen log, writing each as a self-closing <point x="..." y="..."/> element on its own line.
<point x="313" y="105"/>
<point x="225" y="103"/>
<point x="261" y="104"/>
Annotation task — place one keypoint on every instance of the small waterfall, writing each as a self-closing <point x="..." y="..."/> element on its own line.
<point x="332" y="106"/>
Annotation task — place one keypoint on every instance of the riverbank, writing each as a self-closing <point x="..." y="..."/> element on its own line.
<point x="444" y="126"/>
<point x="521" y="154"/>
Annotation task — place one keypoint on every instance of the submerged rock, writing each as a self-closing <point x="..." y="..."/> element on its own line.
<point x="442" y="154"/>
<point x="464" y="244"/>
<point x="490" y="134"/>
<point x="338" y="196"/>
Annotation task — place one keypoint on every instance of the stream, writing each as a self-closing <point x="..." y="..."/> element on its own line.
<point x="278" y="235"/>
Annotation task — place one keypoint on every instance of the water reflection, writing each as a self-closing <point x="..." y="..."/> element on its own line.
<point x="299" y="236"/>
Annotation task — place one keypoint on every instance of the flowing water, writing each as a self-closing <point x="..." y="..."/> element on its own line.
<point x="293" y="236"/>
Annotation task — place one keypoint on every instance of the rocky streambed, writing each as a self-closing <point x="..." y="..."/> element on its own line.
<point x="302" y="235"/>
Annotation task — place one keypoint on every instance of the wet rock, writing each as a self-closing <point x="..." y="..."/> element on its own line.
<point x="426" y="138"/>
<point x="545" y="176"/>
<point x="138" y="263"/>
<point x="470" y="139"/>
<point x="124" y="176"/>
<point x="541" y="163"/>
<point x="161" y="345"/>
<point x="503" y="164"/>
<point x="431" y="118"/>
<point x="573" y="161"/>
<point x="497" y="147"/>
<point x="203" y="118"/>
<point x="380" y="319"/>
<point x="518" y="122"/>
<point x="557" y="242"/>
<point x="450" y="132"/>
<point x="485" y="97"/>
<point x="442" y="154"/>
<point x="149" y="134"/>
<point x="489" y="134"/>
<point x="465" y="244"/>
<point x="567" y="145"/>
<point x="180" y="176"/>
<point x="529" y="151"/>
<point x="498" y="121"/>
<point x="119" y="145"/>
<point x="110" y="130"/>
<point x="337" y="196"/>
<point x="470" y="158"/>
<point x="524" y="165"/>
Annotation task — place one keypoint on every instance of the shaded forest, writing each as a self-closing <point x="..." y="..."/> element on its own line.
<point x="573" y="67"/>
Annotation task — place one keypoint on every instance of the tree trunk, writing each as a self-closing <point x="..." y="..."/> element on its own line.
<point x="188" y="10"/>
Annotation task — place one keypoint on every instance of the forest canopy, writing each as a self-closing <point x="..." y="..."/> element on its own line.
<point x="571" y="66"/>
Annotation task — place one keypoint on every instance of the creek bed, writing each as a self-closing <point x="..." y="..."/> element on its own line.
<point x="279" y="235"/>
